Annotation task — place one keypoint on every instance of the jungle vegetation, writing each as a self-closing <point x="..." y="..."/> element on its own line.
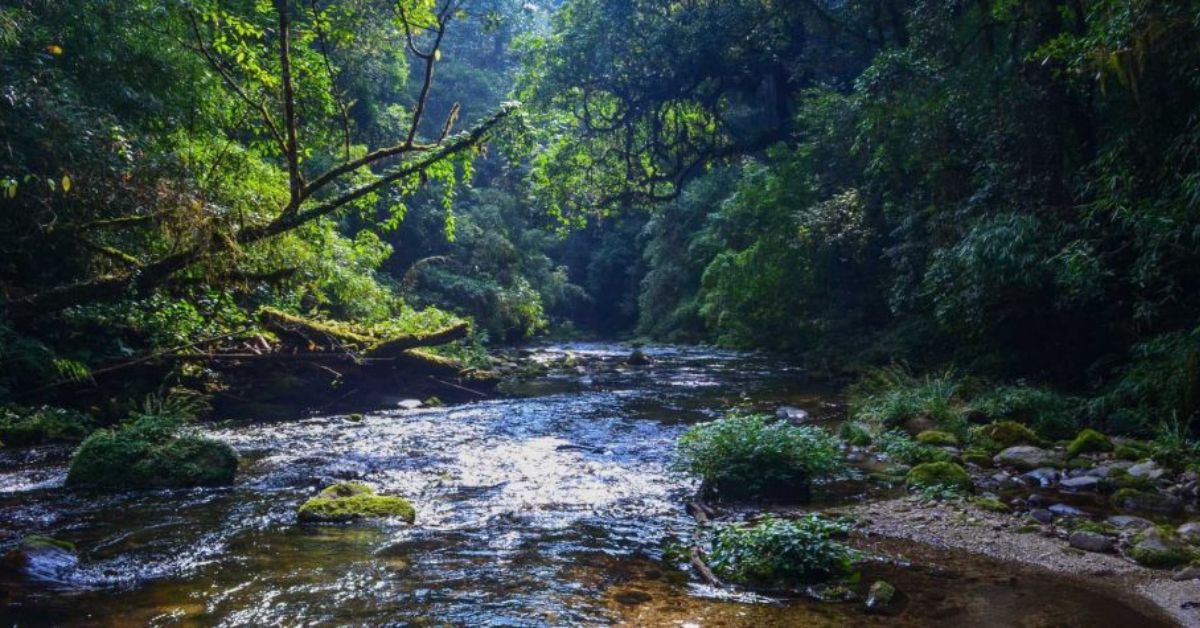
<point x="1011" y="187"/>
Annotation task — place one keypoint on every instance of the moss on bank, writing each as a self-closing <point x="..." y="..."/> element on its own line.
<point x="21" y="427"/>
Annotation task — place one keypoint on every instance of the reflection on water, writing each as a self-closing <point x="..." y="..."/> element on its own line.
<point x="547" y="508"/>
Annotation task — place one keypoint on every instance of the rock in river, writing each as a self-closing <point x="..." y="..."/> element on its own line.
<point x="41" y="559"/>
<point x="1028" y="458"/>
<point x="346" y="501"/>
<point x="791" y="414"/>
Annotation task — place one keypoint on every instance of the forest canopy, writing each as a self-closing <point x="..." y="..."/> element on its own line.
<point x="1012" y="186"/>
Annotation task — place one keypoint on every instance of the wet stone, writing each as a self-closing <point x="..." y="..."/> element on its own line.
<point x="1148" y="469"/>
<point x="1128" y="522"/>
<point x="1083" y="483"/>
<point x="1028" y="458"/>
<point x="791" y="414"/>
<point x="1065" y="510"/>
<point x="1090" y="541"/>
<point x="1189" y="532"/>
<point x="1041" y="515"/>
<point x="1043" y="477"/>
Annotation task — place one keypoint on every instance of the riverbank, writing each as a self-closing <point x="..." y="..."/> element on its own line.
<point x="963" y="527"/>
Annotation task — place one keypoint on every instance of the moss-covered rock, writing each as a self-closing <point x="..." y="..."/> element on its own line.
<point x="1134" y="500"/>
<point x="937" y="438"/>
<point x="1005" y="434"/>
<point x="1120" y="478"/>
<point x="946" y="475"/>
<point x="1133" y="451"/>
<point x="1028" y="458"/>
<point x="978" y="457"/>
<point x="347" y="501"/>
<point x="26" y="427"/>
<point x="1089" y="441"/>
<point x="150" y="454"/>
<point x="1159" y="548"/>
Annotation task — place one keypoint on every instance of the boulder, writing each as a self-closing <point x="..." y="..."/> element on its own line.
<point x="41" y="559"/>
<point x="1008" y="434"/>
<point x="347" y="501"/>
<point x="1089" y="441"/>
<point x="946" y="475"/>
<point x="1189" y="532"/>
<point x="1148" y="469"/>
<point x="1028" y="458"/>
<point x="1091" y="541"/>
<point x="1128" y="522"/>
<point x="151" y="453"/>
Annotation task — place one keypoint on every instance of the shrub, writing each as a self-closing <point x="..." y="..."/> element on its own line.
<point x="751" y="455"/>
<point x="897" y="445"/>
<point x="939" y="475"/>
<point x="779" y="552"/>
<point x="892" y="396"/>
<point x="23" y="428"/>
<point x="1050" y="414"/>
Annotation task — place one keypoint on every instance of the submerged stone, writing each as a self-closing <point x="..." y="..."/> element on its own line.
<point x="347" y="501"/>
<point x="880" y="597"/>
<point x="41" y="559"/>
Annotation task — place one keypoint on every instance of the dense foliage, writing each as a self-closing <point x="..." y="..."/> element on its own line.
<point x="1013" y="185"/>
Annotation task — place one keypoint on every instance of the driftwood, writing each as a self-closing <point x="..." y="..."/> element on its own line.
<point x="703" y="569"/>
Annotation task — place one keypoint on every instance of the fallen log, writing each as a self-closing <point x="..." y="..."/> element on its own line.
<point x="396" y="346"/>
<point x="309" y="332"/>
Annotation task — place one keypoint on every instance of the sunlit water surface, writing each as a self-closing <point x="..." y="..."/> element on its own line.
<point x="546" y="508"/>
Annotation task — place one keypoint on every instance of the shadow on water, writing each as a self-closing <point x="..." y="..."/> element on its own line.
<point x="546" y="508"/>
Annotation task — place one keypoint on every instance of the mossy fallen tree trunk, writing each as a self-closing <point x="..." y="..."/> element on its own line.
<point x="400" y="345"/>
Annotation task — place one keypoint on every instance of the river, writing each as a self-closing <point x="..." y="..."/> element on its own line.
<point x="546" y="507"/>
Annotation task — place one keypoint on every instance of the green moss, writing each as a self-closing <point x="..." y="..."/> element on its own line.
<point x="990" y="504"/>
<point x="1084" y="525"/>
<point x="1121" y="479"/>
<point x="35" y="541"/>
<point x="150" y="453"/>
<point x="1133" y="451"/>
<point x="1163" y="552"/>
<point x="855" y="433"/>
<point x="946" y="475"/>
<point x="1089" y="441"/>
<point x="1004" y="434"/>
<point x="346" y="501"/>
<point x="979" y="457"/>
<point x="1143" y="501"/>
<point x="24" y="427"/>
<point x="937" y="438"/>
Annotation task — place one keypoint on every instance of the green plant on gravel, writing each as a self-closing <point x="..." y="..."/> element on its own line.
<point x="892" y="396"/>
<point x="855" y="433"/>
<point x="774" y="552"/>
<point x="754" y="456"/>
<point x="900" y="447"/>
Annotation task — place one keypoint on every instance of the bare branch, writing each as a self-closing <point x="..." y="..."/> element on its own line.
<point x="292" y="151"/>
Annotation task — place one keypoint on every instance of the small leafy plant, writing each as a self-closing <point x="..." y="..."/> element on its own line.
<point x="753" y="456"/>
<point x="781" y="552"/>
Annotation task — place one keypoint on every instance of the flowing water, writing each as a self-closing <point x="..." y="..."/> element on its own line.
<point x="548" y="507"/>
